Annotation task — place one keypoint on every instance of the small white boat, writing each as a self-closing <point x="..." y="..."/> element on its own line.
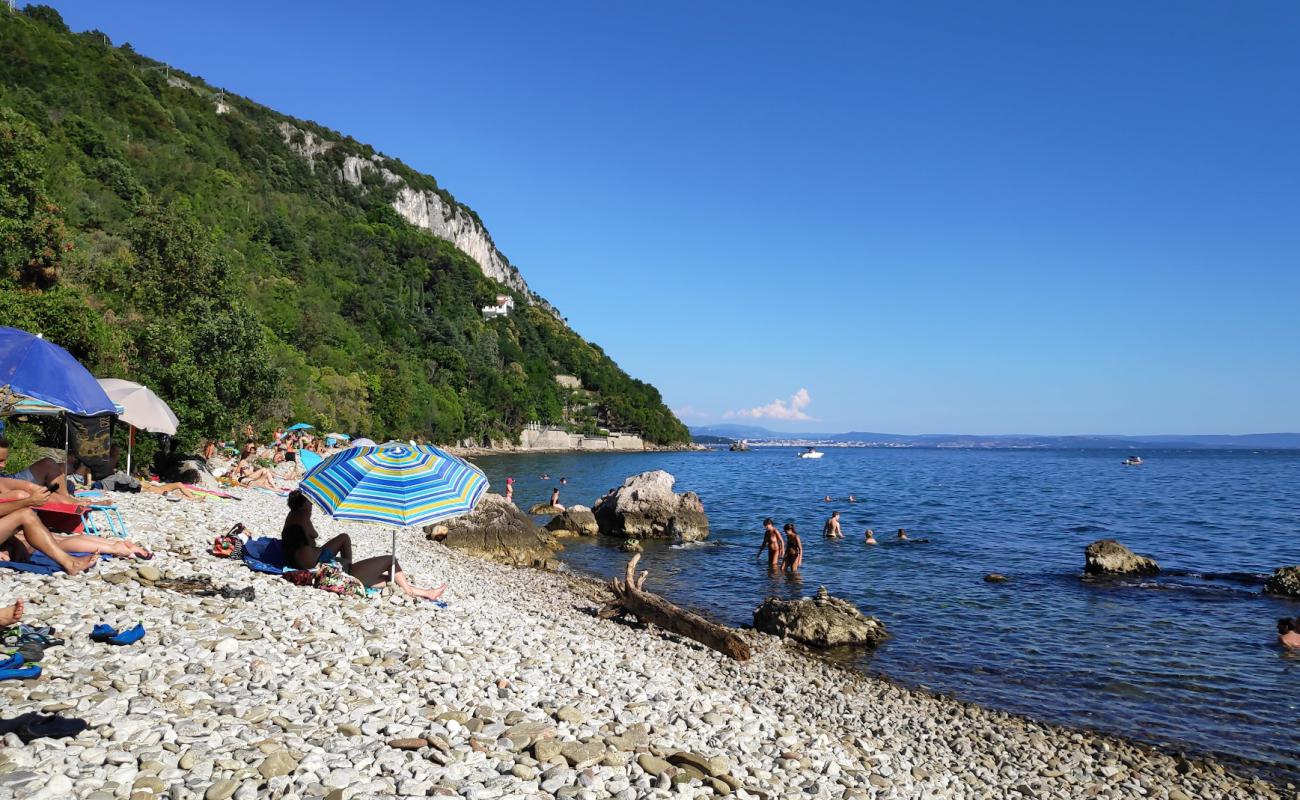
<point x="811" y="452"/>
<point x="1132" y="461"/>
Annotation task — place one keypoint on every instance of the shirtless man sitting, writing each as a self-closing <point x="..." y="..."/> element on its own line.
<point x="45" y="473"/>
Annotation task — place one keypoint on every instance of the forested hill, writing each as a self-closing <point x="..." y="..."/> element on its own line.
<point x="249" y="266"/>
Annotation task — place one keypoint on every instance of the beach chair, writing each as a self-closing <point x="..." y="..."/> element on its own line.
<point x="104" y="521"/>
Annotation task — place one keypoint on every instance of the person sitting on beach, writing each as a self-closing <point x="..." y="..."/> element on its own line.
<point x="772" y="543"/>
<point x="11" y="615"/>
<point x="209" y="449"/>
<point x="555" y="499"/>
<point x="870" y="536"/>
<point x="46" y="473"/>
<point x="21" y="531"/>
<point x="831" y="530"/>
<point x="902" y="535"/>
<point x="298" y="543"/>
<point x="247" y="473"/>
<point x="793" y="549"/>
<point x="1288" y="633"/>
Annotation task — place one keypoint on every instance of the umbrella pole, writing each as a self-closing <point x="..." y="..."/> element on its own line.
<point x="392" y="568"/>
<point x="130" y="442"/>
<point x="65" y="452"/>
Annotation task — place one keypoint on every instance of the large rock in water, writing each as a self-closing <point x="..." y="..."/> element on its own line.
<point x="574" y="521"/>
<point x="823" y="621"/>
<point x="1285" y="581"/>
<point x="645" y="507"/>
<point x="498" y="531"/>
<point x="1109" y="557"/>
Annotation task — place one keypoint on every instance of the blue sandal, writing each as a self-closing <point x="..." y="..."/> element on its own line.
<point x="12" y="668"/>
<point x="109" y="635"/>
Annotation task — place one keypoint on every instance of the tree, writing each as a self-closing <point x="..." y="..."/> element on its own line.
<point x="33" y="236"/>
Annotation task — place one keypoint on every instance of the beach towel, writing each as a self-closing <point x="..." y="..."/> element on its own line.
<point x="40" y="564"/>
<point x="263" y="555"/>
<point x="211" y="492"/>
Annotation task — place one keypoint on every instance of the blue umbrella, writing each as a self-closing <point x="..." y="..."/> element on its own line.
<point x="301" y="426"/>
<point x="399" y="485"/>
<point x="32" y="368"/>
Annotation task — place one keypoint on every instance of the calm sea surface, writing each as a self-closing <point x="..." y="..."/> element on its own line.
<point x="1187" y="658"/>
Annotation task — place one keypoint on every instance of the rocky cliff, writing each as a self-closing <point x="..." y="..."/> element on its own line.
<point x="423" y="208"/>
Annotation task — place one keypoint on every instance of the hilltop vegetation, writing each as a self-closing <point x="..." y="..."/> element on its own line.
<point x="194" y="251"/>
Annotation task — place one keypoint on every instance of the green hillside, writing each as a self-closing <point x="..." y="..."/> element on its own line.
<point x="198" y="253"/>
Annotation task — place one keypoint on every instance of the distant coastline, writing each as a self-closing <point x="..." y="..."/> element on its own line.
<point x="763" y="437"/>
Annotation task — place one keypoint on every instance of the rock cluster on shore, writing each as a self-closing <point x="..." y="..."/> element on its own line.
<point x="513" y="691"/>
<point x="823" y="621"/>
<point x="645" y="507"/>
<point x="574" y="521"/>
<point x="498" y="531"/>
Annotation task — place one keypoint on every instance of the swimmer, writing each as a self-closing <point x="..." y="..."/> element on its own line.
<point x="852" y="499"/>
<point x="902" y="535"/>
<point x="871" y="536"/>
<point x="1288" y="633"/>
<point x="563" y="481"/>
<point x="827" y="499"/>
<point x="545" y="477"/>
<point x="793" y="549"/>
<point x="772" y="543"/>
<point x="831" y="530"/>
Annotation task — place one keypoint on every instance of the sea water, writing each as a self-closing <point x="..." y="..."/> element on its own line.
<point x="1186" y="658"/>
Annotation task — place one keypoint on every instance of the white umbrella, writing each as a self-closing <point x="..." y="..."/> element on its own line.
<point x="363" y="443"/>
<point x="141" y="409"/>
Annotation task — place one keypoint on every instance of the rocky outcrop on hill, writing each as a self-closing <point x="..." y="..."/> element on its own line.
<point x="574" y="521"/>
<point x="1285" y="582"/>
<point x="1109" y="557"/>
<point x="645" y="507"/>
<point x="823" y="621"/>
<point x="498" y="531"/>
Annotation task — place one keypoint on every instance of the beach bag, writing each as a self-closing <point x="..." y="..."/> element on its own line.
<point x="332" y="578"/>
<point x="230" y="544"/>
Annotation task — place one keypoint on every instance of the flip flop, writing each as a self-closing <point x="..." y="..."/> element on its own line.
<point x="52" y="727"/>
<point x="109" y="635"/>
<point x="12" y="669"/>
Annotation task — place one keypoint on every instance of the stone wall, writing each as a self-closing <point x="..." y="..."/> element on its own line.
<point x="557" y="439"/>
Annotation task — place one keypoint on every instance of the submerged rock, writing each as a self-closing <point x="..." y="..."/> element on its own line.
<point x="574" y="521"/>
<point x="1109" y="557"/>
<point x="995" y="577"/>
<point x="645" y="507"/>
<point x="823" y="621"/>
<point x="1285" y="581"/>
<point x="544" y="509"/>
<point x="498" y="531"/>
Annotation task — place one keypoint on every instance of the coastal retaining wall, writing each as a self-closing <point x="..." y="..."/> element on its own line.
<point x="557" y="439"/>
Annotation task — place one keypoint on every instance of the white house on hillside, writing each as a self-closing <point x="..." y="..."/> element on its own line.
<point x="505" y="304"/>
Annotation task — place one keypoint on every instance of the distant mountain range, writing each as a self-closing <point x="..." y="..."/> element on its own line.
<point x="1251" y="441"/>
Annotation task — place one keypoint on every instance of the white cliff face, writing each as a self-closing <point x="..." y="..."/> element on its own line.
<point x="424" y="209"/>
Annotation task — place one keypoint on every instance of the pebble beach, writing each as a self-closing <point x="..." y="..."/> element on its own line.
<point x="513" y="690"/>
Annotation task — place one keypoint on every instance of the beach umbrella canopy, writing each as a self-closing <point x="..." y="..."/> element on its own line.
<point x="300" y="426"/>
<point x="363" y="443"/>
<point x="32" y="368"/>
<point x="398" y="485"/>
<point x="141" y="408"/>
<point x="343" y="436"/>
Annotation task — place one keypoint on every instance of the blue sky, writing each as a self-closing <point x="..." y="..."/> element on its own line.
<point x="904" y="217"/>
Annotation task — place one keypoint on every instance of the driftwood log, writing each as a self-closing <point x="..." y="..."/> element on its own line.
<point x="630" y="597"/>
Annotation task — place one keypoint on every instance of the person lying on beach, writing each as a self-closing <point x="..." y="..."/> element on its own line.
<point x="17" y="517"/>
<point x="870" y="536"/>
<point x="772" y="543"/>
<point x="11" y="614"/>
<point x="793" y="549"/>
<point x="1288" y="633"/>
<point x="298" y="542"/>
<point x="148" y="487"/>
<point x="831" y="530"/>
<point x="18" y="549"/>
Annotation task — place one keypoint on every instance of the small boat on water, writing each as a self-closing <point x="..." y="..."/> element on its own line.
<point x="811" y="452"/>
<point x="739" y="447"/>
<point x="1132" y="461"/>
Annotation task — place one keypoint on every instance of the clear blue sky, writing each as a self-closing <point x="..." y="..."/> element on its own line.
<point x="932" y="217"/>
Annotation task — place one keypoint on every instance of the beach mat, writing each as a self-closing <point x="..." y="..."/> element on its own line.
<point x="40" y="564"/>
<point x="264" y="555"/>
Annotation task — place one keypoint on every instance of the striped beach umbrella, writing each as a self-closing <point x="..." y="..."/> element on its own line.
<point x="398" y="485"/>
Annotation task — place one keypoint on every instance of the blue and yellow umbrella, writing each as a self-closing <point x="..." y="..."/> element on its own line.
<point x="396" y="484"/>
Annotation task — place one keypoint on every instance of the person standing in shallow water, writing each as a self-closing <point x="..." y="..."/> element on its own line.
<point x="773" y="544"/>
<point x="793" y="549"/>
<point x="1288" y="633"/>
<point x="832" y="528"/>
<point x="870" y="536"/>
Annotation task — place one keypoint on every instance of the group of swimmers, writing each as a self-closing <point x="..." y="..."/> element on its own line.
<point x="785" y="549"/>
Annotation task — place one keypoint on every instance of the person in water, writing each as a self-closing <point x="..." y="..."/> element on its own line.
<point x="1288" y="633"/>
<point x="902" y="535"/>
<point x="793" y="549"/>
<point x="831" y="530"/>
<point x="852" y="499"/>
<point x="870" y="536"/>
<point x="827" y="499"/>
<point x="298" y="543"/>
<point x="772" y="543"/>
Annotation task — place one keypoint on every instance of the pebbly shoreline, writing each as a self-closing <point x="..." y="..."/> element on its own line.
<point x="515" y="690"/>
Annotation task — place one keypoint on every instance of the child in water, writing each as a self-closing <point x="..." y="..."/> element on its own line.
<point x="793" y="549"/>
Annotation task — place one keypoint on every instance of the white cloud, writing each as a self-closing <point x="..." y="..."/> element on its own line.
<point x="792" y="409"/>
<point x="683" y="412"/>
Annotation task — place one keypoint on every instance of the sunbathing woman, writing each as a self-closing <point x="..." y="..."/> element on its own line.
<point x="17" y="517"/>
<point x="19" y="548"/>
<point x="249" y="474"/>
<point x="298" y="542"/>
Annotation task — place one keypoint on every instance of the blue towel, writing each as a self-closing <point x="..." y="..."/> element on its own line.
<point x="40" y="564"/>
<point x="264" y="555"/>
